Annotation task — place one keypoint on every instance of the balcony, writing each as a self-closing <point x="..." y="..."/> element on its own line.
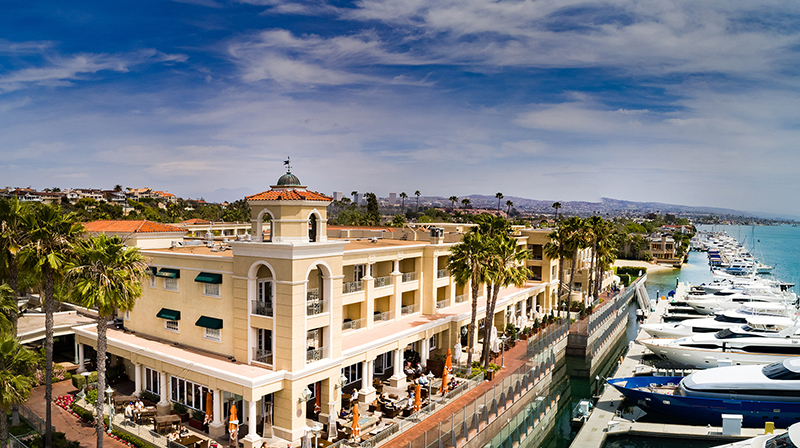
<point x="442" y="304"/>
<point x="314" y="354"/>
<point x="262" y="308"/>
<point x="348" y="287"/>
<point x="462" y="298"/>
<point x="409" y="276"/>
<point x="409" y="309"/>
<point x="380" y="282"/>
<point x="537" y="257"/>
<point x="264" y="356"/>
<point x="381" y="317"/>
<point x="314" y="307"/>
<point x="442" y="273"/>
<point x="348" y="325"/>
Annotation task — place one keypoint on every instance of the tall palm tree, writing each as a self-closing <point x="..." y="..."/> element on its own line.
<point x="506" y="267"/>
<point x="13" y="235"/>
<point x="575" y="230"/>
<point x="593" y="228"/>
<point x="555" y="249"/>
<point x="51" y="235"/>
<point x="466" y="202"/>
<point x="417" y="193"/>
<point x="467" y="264"/>
<point x="453" y="200"/>
<point x="499" y="196"/>
<point x="403" y="196"/>
<point x="8" y="308"/>
<point x="556" y="206"/>
<point x="606" y="253"/>
<point x="105" y="275"/>
<point x="508" y="207"/>
<point x="16" y="367"/>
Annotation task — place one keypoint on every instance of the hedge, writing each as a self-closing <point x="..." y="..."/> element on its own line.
<point x="78" y="381"/>
<point x="633" y="271"/>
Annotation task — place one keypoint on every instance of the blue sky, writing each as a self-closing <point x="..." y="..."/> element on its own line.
<point x="683" y="102"/>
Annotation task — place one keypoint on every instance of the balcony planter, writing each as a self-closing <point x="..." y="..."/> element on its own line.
<point x="196" y="424"/>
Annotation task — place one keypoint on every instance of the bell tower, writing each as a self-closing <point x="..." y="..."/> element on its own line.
<point x="288" y="212"/>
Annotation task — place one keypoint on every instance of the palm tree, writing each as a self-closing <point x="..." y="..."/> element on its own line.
<point x="453" y="200"/>
<point x="593" y="227"/>
<point x="106" y="276"/>
<point x="417" y="193"/>
<point x="556" y="205"/>
<point x="51" y="235"/>
<point x="506" y="267"/>
<point x="575" y="230"/>
<point x="403" y="196"/>
<point x="13" y="235"/>
<point x="8" y="308"/>
<point x="16" y="366"/>
<point x="467" y="263"/>
<point x="508" y="207"/>
<point x="499" y="196"/>
<point x="555" y="249"/>
<point x="466" y="202"/>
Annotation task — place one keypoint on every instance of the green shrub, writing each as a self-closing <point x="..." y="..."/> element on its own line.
<point x="91" y="396"/>
<point x="137" y="442"/>
<point x="151" y="397"/>
<point x="631" y="270"/>
<point x="77" y="380"/>
<point x="179" y="408"/>
<point x="493" y="367"/>
<point x="198" y="416"/>
<point x="59" y="441"/>
<point x="83" y="413"/>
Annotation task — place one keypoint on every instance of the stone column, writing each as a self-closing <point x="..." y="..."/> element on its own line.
<point x="398" y="378"/>
<point x="163" y="405"/>
<point x="367" y="392"/>
<point x="137" y="376"/>
<point x="216" y="428"/>
<point x="425" y="352"/>
<point x="81" y="359"/>
<point x="251" y="420"/>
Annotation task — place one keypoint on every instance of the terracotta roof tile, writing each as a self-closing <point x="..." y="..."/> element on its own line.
<point x="141" y="226"/>
<point x="288" y="195"/>
<point x="195" y="221"/>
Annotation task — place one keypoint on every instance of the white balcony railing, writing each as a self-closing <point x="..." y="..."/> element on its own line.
<point x="409" y="276"/>
<point x="462" y="298"/>
<point x="354" y="324"/>
<point x="314" y="307"/>
<point x="442" y="273"/>
<point x="442" y="304"/>
<point x="409" y="309"/>
<point x="262" y="308"/>
<point x="348" y="287"/>
<point x="264" y="356"/>
<point x="314" y="354"/>
<point x="381" y="317"/>
<point x="380" y="282"/>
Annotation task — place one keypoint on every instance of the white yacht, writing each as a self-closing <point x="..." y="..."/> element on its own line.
<point x="762" y="341"/>
<point x="788" y="439"/>
<point x="727" y="319"/>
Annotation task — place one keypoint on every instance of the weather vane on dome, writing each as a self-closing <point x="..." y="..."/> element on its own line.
<point x="287" y="163"/>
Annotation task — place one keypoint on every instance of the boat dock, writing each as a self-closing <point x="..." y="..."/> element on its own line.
<point x="606" y="417"/>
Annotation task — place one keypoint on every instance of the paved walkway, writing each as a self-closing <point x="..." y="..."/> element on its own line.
<point x="515" y="358"/>
<point x="74" y="428"/>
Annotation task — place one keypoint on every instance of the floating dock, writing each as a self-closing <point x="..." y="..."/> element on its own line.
<point x="604" y="419"/>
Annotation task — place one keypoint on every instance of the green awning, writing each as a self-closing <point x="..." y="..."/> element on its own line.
<point x="209" y="322"/>
<point x="167" y="313"/>
<point x="168" y="273"/>
<point x="207" y="277"/>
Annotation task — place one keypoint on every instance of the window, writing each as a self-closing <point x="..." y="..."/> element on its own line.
<point x="352" y="373"/>
<point x="211" y="289"/>
<point x="152" y="381"/>
<point x="576" y="287"/>
<point x="189" y="394"/>
<point x="213" y="334"/>
<point x="554" y="271"/>
<point x="359" y="272"/>
<point x="152" y="280"/>
<point x="171" y="284"/>
<point x="265" y="291"/>
<point x="171" y="325"/>
<point x="383" y="362"/>
<point x="432" y="341"/>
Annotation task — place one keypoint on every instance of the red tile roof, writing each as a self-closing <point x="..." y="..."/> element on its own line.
<point x="141" y="226"/>
<point x="288" y="195"/>
<point x="195" y="221"/>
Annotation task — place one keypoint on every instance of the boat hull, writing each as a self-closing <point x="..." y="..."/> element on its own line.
<point x="702" y="410"/>
<point x="707" y="358"/>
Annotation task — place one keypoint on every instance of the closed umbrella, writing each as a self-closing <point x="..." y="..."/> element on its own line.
<point x="355" y="432"/>
<point x="317" y="403"/>
<point x="306" y="440"/>
<point x="448" y="367"/>
<point x="233" y="427"/>
<point x="209" y="409"/>
<point x="493" y="343"/>
<point x="417" y="399"/>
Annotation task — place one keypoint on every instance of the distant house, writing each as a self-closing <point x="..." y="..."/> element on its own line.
<point x="662" y="247"/>
<point x="142" y="233"/>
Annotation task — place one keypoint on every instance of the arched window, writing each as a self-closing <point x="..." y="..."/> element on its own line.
<point x="312" y="228"/>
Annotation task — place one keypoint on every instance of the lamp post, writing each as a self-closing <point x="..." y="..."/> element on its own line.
<point x="503" y="339"/>
<point x="305" y="395"/>
<point x="316" y="429"/>
<point x="110" y="391"/>
<point x="430" y="378"/>
<point x="85" y="376"/>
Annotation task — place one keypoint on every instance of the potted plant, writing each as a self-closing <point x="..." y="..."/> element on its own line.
<point x="179" y="409"/>
<point x="196" y="420"/>
<point x="536" y="325"/>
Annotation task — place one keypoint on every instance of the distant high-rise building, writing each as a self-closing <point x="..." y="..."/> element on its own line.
<point x="393" y="198"/>
<point x="338" y="195"/>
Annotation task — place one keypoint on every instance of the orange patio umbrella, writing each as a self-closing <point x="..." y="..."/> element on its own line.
<point x="209" y="409"/>
<point x="448" y="368"/>
<point x="233" y="426"/>
<point x="417" y="399"/>
<point x="355" y="432"/>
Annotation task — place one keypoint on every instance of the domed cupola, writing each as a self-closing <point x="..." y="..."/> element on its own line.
<point x="289" y="180"/>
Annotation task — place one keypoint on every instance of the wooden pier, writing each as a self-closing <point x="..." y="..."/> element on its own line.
<point x="604" y="420"/>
